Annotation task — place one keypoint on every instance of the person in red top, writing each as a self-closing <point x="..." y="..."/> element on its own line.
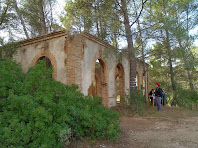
<point x="158" y="96"/>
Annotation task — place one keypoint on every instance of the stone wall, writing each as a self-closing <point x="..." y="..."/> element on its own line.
<point x="74" y="62"/>
<point x="51" y="46"/>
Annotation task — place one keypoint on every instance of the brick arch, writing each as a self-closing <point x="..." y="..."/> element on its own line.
<point x="94" y="64"/>
<point x="49" y="55"/>
<point x="119" y="73"/>
<point x="104" y="84"/>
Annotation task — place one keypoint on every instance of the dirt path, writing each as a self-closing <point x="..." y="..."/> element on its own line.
<point x="171" y="128"/>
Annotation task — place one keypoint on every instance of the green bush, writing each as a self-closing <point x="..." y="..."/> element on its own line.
<point x="37" y="111"/>
<point x="11" y="77"/>
<point x="137" y="102"/>
<point x="186" y="98"/>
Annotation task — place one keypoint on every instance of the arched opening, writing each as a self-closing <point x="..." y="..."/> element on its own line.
<point x="99" y="84"/>
<point x="49" y="58"/>
<point x="46" y="60"/>
<point x="119" y="84"/>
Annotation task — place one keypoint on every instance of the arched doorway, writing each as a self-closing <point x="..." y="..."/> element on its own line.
<point x="49" y="59"/>
<point x="99" y="86"/>
<point x="46" y="60"/>
<point x="119" y="84"/>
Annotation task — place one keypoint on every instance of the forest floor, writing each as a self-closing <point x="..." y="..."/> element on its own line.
<point x="170" y="128"/>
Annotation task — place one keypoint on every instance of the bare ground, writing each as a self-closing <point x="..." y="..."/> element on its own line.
<point x="170" y="128"/>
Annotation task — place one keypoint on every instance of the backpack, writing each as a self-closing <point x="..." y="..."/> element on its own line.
<point x="163" y="96"/>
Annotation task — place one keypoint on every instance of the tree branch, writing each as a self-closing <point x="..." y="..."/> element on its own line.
<point x="143" y="2"/>
<point x="4" y="15"/>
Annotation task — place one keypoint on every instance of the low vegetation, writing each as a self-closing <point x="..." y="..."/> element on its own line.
<point x="37" y="111"/>
<point x="187" y="98"/>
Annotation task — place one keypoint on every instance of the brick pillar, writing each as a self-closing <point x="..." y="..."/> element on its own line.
<point x="74" y="60"/>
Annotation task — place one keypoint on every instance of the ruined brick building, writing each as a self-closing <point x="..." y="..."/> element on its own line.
<point x="85" y="60"/>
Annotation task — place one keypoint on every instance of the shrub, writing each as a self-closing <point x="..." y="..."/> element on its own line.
<point x="137" y="102"/>
<point x="37" y="111"/>
<point x="186" y="98"/>
<point x="11" y="77"/>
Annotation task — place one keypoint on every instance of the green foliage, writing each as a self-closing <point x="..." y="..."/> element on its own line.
<point x="100" y="18"/>
<point x="186" y="98"/>
<point x="137" y="102"/>
<point x="65" y="136"/>
<point x="7" y="16"/>
<point x="7" y="50"/>
<point x="37" y="111"/>
<point x="11" y="77"/>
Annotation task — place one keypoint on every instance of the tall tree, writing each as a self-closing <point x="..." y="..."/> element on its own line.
<point x="160" y="22"/>
<point x="98" y="17"/>
<point x="21" y="18"/>
<point x="4" y="6"/>
<point x="38" y="15"/>
<point x="188" y="10"/>
<point x="42" y="17"/>
<point x="7" y="17"/>
<point x="142" y="46"/>
<point x="129" y="37"/>
<point x="131" y="49"/>
<point x="169" y="24"/>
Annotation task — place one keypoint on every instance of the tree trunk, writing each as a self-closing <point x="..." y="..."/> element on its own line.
<point x="170" y="60"/>
<point x="21" y="19"/>
<point x="169" y="52"/>
<point x="101" y="29"/>
<point x="4" y="14"/>
<point x="186" y="62"/>
<point x="182" y="49"/>
<point x="190" y="80"/>
<point x="174" y="102"/>
<point x="115" y="40"/>
<point x="97" y="26"/>
<point x="131" y="49"/>
<point x="186" y="65"/>
<point x="42" y="17"/>
<point x="51" y="20"/>
<point x="142" y="47"/>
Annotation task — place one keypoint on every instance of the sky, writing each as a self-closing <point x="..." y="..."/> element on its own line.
<point x="60" y="6"/>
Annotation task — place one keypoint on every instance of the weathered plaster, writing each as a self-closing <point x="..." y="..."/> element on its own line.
<point x="73" y="59"/>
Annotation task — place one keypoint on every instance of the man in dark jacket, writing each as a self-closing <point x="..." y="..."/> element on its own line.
<point x="158" y="96"/>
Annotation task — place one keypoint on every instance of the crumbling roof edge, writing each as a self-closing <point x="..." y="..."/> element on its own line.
<point x="43" y="38"/>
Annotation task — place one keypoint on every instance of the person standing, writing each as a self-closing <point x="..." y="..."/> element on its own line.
<point x="158" y="96"/>
<point x="163" y="98"/>
<point x="152" y="96"/>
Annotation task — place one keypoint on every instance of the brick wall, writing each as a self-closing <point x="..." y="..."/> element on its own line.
<point x="73" y="60"/>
